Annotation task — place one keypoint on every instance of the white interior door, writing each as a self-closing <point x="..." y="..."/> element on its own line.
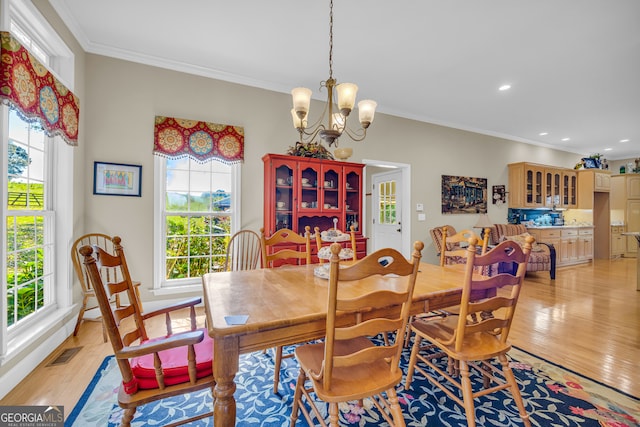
<point x="387" y="210"/>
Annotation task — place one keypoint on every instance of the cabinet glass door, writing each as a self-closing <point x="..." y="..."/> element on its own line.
<point x="331" y="202"/>
<point x="308" y="189"/>
<point x="284" y="199"/>
<point x="352" y="200"/>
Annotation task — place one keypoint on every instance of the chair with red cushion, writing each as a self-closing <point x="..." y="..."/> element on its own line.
<point x="151" y="368"/>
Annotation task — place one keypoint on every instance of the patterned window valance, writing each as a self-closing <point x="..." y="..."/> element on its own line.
<point x="35" y="93"/>
<point x="202" y="141"/>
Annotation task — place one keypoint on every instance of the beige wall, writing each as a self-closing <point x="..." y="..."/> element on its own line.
<point x="123" y="98"/>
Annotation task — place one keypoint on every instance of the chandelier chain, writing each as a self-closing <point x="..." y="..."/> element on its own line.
<point x="331" y="39"/>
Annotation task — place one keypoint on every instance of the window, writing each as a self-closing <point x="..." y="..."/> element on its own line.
<point x="37" y="217"/>
<point x="198" y="205"/>
<point x="387" y="198"/>
<point x="29" y="219"/>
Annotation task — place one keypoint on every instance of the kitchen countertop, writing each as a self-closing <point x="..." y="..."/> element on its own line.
<point x="542" y="227"/>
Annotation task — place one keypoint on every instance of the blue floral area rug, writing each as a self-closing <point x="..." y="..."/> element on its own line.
<point x="553" y="396"/>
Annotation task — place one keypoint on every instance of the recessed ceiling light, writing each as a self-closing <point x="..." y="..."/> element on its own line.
<point x="624" y="140"/>
<point x="505" y="87"/>
<point x="543" y="133"/>
<point x="565" y="139"/>
<point x="608" y="149"/>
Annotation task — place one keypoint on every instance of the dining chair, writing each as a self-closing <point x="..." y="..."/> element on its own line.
<point x="282" y="247"/>
<point x="88" y="293"/>
<point x="243" y="251"/>
<point x="349" y="365"/>
<point x="453" y="252"/>
<point x="478" y="335"/>
<point x="279" y="249"/>
<point x="151" y="368"/>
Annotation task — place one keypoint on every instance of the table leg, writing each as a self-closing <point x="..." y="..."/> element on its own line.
<point x="226" y="359"/>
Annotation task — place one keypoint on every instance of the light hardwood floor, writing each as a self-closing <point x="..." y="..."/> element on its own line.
<point x="587" y="321"/>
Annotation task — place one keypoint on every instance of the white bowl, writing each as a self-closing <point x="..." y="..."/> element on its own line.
<point x="343" y="153"/>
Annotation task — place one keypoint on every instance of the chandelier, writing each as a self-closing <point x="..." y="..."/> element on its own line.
<point x="336" y="124"/>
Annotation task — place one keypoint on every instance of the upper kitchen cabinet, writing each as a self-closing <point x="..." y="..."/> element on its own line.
<point x="533" y="185"/>
<point x="569" y="188"/>
<point x="526" y="185"/>
<point x="592" y="181"/>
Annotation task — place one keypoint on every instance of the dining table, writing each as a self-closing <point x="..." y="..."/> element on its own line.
<point x="258" y="309"/>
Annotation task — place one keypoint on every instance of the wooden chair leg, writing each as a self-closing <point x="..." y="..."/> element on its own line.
<point x="515" y="391"/>
<point x="127" y="416"/>
<point x="333" y="415"/>
<point x="412" y="361"/>
<point x="467" y="394"/>
<point x="297" y="397"/>
<point x="80" y="315"/>
<point x="394" y="407"/>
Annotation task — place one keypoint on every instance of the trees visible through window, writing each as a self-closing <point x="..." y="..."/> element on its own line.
<point x="29" y="271"/>
<point x="198" y="214"/>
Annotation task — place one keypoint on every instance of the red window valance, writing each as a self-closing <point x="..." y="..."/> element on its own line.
<point x="35" y="93"/>
<point x="202" y="141"/>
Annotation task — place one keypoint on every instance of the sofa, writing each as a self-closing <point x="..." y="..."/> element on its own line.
<point x="543" y="255"/>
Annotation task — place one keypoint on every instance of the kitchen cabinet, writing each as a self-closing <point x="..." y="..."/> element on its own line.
<point x="533" y="185"/>
<point x="569" y="189"/>
<point x="625" y="206"/>
<point x="592" y="181"/>
<point x="526" y="185"/>
<point x="585" y="244"/>
<point x="552" y="187"/>
<point x="303" y="191"/>
<point x="618" y="241"/>
<point x="568" y="246"/>
<point x="633" y="186"/>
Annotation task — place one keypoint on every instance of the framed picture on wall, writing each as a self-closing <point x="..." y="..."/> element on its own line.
<point x="116" y="179"/>
<point x="499" y="194"/>
<point x="464" y="195"/>
<point x="591" y="163"/>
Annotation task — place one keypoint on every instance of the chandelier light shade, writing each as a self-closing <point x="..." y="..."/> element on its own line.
<point x="335" y="112"/>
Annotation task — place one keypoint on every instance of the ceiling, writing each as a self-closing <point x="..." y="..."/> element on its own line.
<point x="573" y="65"/>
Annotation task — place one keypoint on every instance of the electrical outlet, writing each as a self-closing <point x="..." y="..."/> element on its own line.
<point x="422" y="217"/>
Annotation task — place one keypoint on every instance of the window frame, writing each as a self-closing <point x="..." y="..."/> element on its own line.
<point x="162" y="286"/>
<point x="36" y="329"/>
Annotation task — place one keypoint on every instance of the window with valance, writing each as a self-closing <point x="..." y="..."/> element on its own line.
<point x="198" y="197"/>
<point x="35" y="93"/>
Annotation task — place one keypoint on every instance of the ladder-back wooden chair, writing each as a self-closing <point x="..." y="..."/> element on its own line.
<point x="349" y="365"/>
<point x="478" y="335"/>
<point x="88" y="294"/>
<point x="243" y="251"/>
<point x="280" y="249"/>
<point x="453" y="252"/>
<point x="151" y="368"/>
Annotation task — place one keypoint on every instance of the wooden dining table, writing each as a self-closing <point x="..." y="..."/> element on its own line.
<point x="288" y="305"/>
